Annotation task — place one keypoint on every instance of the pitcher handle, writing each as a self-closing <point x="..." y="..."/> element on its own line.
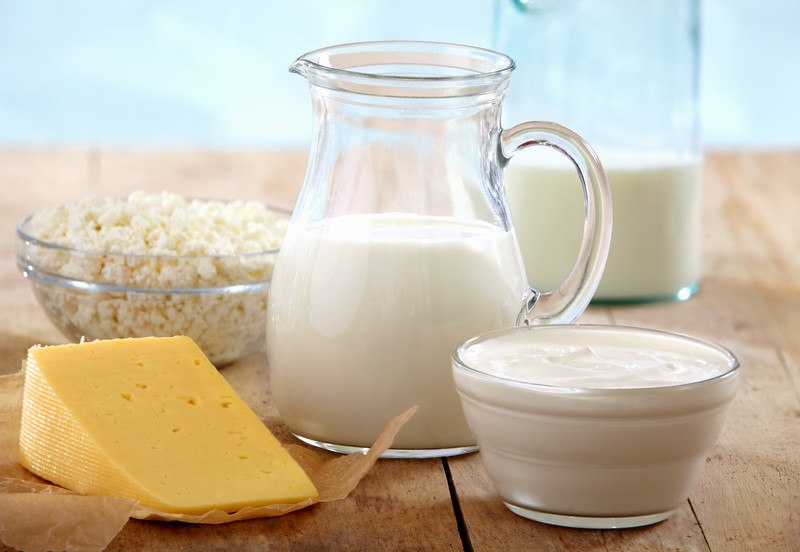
<point x="566" y="303"/>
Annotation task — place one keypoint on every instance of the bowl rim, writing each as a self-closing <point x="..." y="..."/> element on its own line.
<point x="24" y="236"/>
<point x="39" y="275"/>
<point x="459" y="365"/>
<point x="44" y="278"/>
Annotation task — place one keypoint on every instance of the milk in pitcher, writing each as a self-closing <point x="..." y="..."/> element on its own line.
<point x="365" y="328"/>
<point x="401" y="243"/>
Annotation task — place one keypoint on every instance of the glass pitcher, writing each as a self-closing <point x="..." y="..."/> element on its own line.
<point x="401" y="244"/>
<point x="624" y="74"/>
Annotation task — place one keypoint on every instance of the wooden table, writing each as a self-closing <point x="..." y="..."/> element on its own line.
<point x="749" y="495"/>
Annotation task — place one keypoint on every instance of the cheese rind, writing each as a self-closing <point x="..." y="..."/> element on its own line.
<point x="150" y="419"/>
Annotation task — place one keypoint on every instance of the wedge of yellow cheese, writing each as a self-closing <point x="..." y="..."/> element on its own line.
<point x="150" y="419"/>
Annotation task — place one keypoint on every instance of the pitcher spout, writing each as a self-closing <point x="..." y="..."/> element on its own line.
<point x="300" y="66"/>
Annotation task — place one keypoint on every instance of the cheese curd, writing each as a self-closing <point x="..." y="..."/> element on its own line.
<point x="157" y="265"/>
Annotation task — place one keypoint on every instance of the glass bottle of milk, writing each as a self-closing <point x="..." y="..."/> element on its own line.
<point x="624" y="74"/>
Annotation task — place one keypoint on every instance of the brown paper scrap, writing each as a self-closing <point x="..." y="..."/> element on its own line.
<point x="36" y="515"/>
<point x="36" y="522"/>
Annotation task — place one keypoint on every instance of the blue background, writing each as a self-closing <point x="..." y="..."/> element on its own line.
<point x="207" y="73"/>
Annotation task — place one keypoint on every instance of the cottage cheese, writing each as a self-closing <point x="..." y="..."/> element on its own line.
<point x="159" y="242"/>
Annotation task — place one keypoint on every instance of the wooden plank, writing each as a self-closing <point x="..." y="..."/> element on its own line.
<point x="274" y="177"/>
<point x="748" y="498"/>
<point x="31" y="176"/>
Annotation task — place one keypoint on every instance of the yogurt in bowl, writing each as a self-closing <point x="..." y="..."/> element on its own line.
<point x="594" y="426"/>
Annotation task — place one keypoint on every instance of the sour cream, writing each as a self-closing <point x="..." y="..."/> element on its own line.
<point x="595" y="360"/>
<point x="594" y="426"/>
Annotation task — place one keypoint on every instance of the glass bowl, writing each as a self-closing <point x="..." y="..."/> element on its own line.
<point x="220" y="301"/>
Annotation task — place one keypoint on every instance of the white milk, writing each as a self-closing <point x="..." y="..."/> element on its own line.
<point x="364" y="313"/>
<point x="655" y="243"/>
<point x="595" y="423"/>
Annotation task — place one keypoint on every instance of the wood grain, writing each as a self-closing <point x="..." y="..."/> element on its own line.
<point x="748" y="497"/>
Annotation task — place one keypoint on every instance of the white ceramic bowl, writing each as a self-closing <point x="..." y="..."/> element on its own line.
<point x="577" y="455"/>
<point x="98" y="295"/>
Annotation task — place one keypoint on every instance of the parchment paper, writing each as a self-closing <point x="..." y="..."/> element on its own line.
<point x="36" y="515"/>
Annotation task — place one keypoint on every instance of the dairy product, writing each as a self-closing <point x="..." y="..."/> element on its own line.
<point x="655" y="247"/>
<point x="599" y="361"/>
<point x="127" y="254"/>
<point x="152" y="420"/>
<point x="364" y="313"/>
<point x="150" y="239"/>
<point x="594" y="426"/>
